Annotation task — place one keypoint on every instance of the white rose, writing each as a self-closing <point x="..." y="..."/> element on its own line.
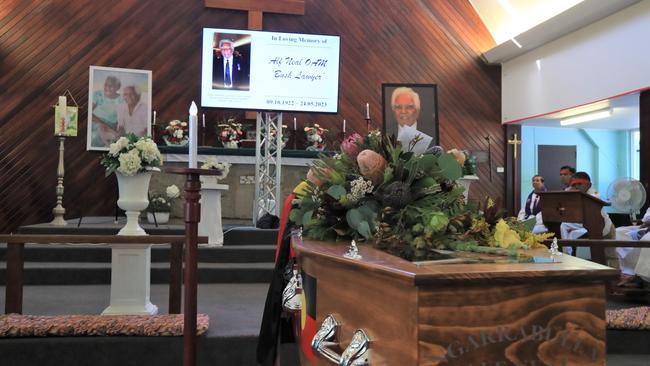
<point x="173" y="191"/>
<point x="130" y="163"/>
<point x="178" y="134"/>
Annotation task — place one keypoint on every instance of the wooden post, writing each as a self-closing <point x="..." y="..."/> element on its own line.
<point x="175" y="270"/>
<point x="14" y="285"/>
<point x="192" y="218"/>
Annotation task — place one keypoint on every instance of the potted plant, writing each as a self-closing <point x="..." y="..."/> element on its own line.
<point x="212" y="163"/>
<point x="176" y="133"/>
<point x="132" y="159"/>
<point x="315" y="137"/>
<point x="231" y="132"/>
<point x="160" y="205"/>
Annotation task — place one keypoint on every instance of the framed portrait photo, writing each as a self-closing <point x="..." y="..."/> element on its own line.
<point x="411" y="115"/>
<point x="119" y="102"/>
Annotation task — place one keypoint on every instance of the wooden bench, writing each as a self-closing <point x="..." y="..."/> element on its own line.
<point x="597" y="246"/>
<point x="15" y="260"/>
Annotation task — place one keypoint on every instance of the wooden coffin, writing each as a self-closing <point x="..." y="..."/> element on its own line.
<point x="454" y="314"/>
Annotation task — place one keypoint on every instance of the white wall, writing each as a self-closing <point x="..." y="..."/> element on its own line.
<point x="604" y="59"/>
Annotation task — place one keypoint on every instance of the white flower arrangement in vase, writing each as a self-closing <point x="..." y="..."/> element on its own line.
<point x="130" y="155"/>
<point x="212" y="163"/>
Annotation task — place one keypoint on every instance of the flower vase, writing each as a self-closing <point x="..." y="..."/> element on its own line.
<point x="133" y="199"/>
<point x="230" y="144"/>
<point x="160" y="217"/>
<point x="181" y="143"/>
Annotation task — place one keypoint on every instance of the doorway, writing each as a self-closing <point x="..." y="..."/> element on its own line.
<point x="550" y="158"/>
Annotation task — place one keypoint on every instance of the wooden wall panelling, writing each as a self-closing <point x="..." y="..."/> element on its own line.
<point x="47" y="47"/>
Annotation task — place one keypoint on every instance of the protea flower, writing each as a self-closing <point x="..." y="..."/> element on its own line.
<point x="371" y="166"/>
<point x="397" y="195"/>
<point x="350" y="146"/>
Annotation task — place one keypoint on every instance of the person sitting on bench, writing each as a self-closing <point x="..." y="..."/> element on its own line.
<point x="532" y="209"/>
<point x="582" y="182"/>
<point x="628" y="258"/>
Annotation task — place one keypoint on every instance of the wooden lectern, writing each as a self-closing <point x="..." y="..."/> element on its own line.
<point x="578" y="207"/>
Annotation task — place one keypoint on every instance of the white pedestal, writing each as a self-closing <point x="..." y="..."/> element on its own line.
<point x="210" y="224"/>
<point x="130" y="280"/>
<point x="466" y="181"/>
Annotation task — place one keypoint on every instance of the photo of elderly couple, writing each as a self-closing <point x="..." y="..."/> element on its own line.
<point x="119" y="103"/>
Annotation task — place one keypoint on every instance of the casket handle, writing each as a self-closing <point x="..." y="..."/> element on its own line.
<point x="357" y="352"/>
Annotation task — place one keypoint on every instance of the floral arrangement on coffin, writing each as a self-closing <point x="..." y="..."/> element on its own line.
<point x="315" y="137"/>
<point x="406" y="204"/>
<point x="162" y="202"/>
<point x="131" y="154"/>
<point x="212" y="163"/>
<point x="231" y="133"/>
<point x="176" y="133"/>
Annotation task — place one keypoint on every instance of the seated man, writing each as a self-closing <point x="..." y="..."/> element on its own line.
<point x="642" y="269"/>
<point x="582" y="182"/>
<point x="628" y="257"/>
<point x="532" y="209"/>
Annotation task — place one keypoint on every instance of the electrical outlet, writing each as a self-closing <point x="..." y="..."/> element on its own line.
<point x="246" y="179"/>
<point x="500" y="169"/>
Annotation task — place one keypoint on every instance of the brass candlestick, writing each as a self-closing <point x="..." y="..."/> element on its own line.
<point x="58" y="210"/>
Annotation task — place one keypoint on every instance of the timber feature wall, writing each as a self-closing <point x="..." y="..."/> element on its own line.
<point x="46" y="47"/>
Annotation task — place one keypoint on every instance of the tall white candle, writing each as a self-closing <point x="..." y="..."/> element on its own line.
<point x="367" y="111"/>
<point x="344" y="126"/>
<point x="294" y="123"/>
<point x="193" y="135"/>
<point x="154" y="118"/>
<point x="203" y="120"/>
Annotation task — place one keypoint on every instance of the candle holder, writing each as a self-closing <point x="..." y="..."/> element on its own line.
<point x="368" y="124"/>
<point x="58" y="210"/>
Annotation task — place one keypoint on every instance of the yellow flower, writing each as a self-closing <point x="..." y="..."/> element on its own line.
<point x="504" y="236"/>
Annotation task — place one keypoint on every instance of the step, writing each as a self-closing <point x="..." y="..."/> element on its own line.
<point x="91" y="273"/>
<point x="233" y="234"/>
<point x="159" y="253"/>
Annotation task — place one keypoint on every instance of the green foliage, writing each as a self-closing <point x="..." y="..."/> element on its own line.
<point x="415" y="210"/>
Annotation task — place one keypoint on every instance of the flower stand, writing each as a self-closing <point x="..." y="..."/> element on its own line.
<point x="230" y="144"/>
<point x="130" y="280"/>
<point x="210" y="224"/>
<point x="131" y="263"/>
<point x="467" y="181"/>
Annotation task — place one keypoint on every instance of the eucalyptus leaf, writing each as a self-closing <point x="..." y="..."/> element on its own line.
<point x="428" y="162"/>
<point x="451" y="170"/>
<point x="354" y="218"/>
<point x="296" y="216"/>
<point x="307" y="217"/>
<point x="336" y="191"/>
<point x="364" y="229"/>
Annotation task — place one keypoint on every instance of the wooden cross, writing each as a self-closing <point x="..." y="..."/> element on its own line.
<point x="257" y="8"/>
<point x="514" y="142"/>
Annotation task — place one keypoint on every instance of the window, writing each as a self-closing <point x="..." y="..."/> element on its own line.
<point x="635" y="169"/>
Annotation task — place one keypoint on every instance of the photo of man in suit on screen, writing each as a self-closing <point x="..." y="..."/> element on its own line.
<point x="231" y="62"/>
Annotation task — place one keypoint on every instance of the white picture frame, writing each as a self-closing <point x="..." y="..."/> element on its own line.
<point x="119" y="102"/>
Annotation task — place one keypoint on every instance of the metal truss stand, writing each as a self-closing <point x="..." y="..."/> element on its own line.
<point x="268" y="165"/>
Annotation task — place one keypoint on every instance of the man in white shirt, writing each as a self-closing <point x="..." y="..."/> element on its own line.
<point x="582" y="182"/>
<point x="133" y="114"/>
<point x="405" y="103"/>
<point x="634" y="261"/>
<point x="532" y="209"/>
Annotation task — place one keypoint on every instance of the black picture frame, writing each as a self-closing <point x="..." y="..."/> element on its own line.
<point x="427" y="118"/>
